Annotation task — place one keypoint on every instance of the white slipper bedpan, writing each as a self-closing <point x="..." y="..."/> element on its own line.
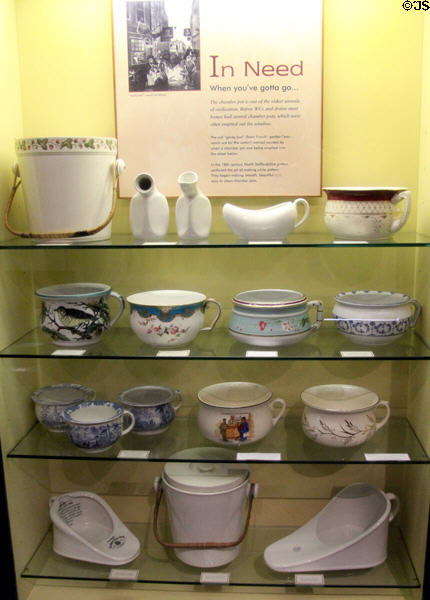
<point x="349" y="533"/>
<point x="86" y="528"/>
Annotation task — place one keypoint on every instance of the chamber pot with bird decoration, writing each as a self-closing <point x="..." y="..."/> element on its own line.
<point x="77" y="314"/>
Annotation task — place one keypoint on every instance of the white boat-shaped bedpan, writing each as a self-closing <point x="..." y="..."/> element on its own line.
<point x="350" y="532"/>
<point x="86" y="528"/>
<point x="270" y="223"/>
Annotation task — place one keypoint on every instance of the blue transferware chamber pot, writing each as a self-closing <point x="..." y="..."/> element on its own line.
<point x="152" y="407"/>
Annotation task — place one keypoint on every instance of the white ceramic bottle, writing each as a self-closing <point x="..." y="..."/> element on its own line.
<point x="149" y="210"/>
<point x="193" y="209"/>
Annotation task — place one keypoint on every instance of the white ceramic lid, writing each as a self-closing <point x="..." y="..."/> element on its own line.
<point x="166" y="298"/>
<point x="234" y="394"/>
<point x="62" y="393"/>
<point x="67" y="291"/>
<point x="372" y="298"/>
<point x="274" y="298"/>
<point x="205" y="477"/>
<point x="340" y="398"/>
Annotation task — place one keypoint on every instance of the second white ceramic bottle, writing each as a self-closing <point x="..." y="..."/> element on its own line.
<point x="149" y="210"/>
<point x="193" y="209"/>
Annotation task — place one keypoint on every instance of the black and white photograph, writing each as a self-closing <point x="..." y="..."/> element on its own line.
<point x="163" y="38"/>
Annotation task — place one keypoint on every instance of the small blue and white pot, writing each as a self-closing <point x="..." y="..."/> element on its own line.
<point x="95" y="426"/>
<point x="169" y="318"/>
<point x="51" y="401"/>
<point x="152" y="407"/>
<point x="272" y="317"/>
<point x="374" y="318"/>
<point x="77" y="314"/>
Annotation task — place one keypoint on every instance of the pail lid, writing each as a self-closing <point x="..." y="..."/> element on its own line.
<point x="205" y="477"/>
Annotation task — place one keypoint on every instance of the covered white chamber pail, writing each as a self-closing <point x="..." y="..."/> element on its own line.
<point x="68" y="186"/>
<point x="206" y="506"/>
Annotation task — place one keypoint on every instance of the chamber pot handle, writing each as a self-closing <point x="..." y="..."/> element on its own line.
<point x="320" y="313"/>
<point x="395" y="505"/>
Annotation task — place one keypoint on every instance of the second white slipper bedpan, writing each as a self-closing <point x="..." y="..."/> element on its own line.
<point x="86" y="528"/>
<point x="350" y="532"/>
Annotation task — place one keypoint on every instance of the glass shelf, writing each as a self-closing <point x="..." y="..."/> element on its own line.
<point x="121" y="342"/>
<point x="155" y="565"/>
<point x="396" y="439"/>
<point x="221" y="240"/>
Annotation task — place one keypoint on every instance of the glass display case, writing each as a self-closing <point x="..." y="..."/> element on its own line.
<point x="66" y="83"/>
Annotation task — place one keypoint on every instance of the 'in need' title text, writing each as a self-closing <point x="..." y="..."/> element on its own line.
<point x="255" y="69"/>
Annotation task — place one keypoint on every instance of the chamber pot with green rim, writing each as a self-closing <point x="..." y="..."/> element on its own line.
<point x="273" y="317"/>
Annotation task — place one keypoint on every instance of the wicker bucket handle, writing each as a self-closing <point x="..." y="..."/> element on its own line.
<point x="118" y="167"/>
<point x="200" y="545"/>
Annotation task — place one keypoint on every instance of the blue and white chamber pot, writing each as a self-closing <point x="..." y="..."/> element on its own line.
<point x="152" y="407"/>
<point x="375" y="318"/>
<point x="51" y="401"/>
<point x="95" y="426"/>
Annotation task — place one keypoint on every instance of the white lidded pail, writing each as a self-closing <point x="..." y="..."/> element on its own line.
<point x="69" y="186"/>
<point x="206" y="504"/>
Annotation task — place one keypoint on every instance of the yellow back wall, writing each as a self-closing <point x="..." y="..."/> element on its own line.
<point x="372" y="87"/>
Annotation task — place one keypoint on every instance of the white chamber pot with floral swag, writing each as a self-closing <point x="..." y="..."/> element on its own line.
<point x="169" y="318"/>
<point x="238" y="412"/>
<point x="341" y="415"/>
